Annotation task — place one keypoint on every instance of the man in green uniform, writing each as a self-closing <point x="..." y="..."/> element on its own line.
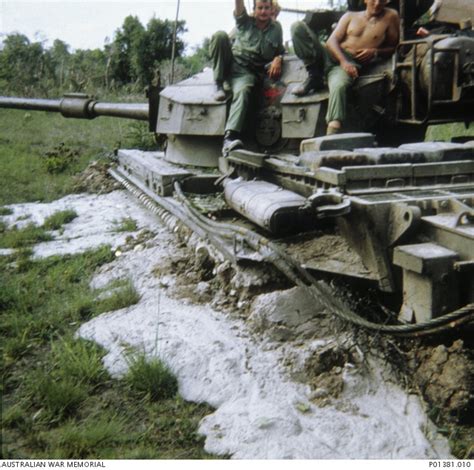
<point x="358" y="39"/>
<point x="258" y="41"/>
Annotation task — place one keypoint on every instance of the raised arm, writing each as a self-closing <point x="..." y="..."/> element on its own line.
<point x="239" y="7"/>
<point x="334" y="45"/>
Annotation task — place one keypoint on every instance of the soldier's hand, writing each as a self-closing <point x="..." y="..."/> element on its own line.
<point x="350" y="69"/>
<point x="274" y="71"/>
<point x="366" y="55"/>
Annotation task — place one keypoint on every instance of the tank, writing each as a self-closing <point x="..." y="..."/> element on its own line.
<point x="401" y="209"/>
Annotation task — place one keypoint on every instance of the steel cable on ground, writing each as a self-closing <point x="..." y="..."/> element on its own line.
<point x="149" y="198"/>
<point x="321" y="291"/>
<point x="271" y="252"/>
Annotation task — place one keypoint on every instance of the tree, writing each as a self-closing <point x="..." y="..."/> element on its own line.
<point x="87" y="70"/>
<point x="199" y="59"/>
<point x="135" y="53"/>
<point x="22" y="65"/>
<point x="123" y="49"/>
<point x="60" y="57"/>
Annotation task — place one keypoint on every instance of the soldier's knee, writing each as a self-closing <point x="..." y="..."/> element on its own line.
<point x="220" y="36"/>
<point x="298" y="29"/>
<point x="338" y="88"/>
<point x="339" y="83"/>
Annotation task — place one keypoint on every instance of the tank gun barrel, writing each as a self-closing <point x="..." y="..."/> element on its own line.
<point x="79" y="106"/>
<point x="33" y="104"/>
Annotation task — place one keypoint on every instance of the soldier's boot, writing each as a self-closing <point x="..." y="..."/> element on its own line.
<point x="231" y="142"/>
<point x="314" y="81"/>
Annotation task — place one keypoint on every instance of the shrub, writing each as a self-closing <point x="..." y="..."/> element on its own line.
<point x="60" y="158"/>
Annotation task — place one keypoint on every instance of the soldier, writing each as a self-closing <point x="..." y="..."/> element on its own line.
<point x="358" y="39"/>
<point x="258" y="41"/>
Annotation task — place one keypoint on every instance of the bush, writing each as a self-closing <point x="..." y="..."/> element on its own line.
<point x="60" y="159"/>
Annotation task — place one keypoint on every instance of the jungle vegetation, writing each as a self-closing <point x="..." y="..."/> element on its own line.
<point x="135" y="56"/>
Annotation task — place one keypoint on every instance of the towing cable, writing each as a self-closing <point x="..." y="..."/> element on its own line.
<point x="221" y="234"/>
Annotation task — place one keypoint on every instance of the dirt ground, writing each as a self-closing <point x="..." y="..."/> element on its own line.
<point x="440" y="369"/>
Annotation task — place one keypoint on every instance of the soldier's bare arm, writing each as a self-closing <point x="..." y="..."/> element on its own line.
<point x="393" y="33"/>
<point x="239" y="7"/>
<point x="334" y="45"/>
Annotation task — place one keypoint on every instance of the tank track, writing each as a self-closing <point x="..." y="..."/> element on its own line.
<point x="234" y="243"/>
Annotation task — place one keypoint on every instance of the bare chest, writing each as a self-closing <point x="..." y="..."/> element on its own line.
<point x="367" y="29"/>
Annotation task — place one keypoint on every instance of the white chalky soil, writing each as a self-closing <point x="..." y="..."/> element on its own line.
<point x="261" y="413"/>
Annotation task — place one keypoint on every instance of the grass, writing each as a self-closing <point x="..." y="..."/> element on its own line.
<point x="5" y="211"/>
<point x="151" y="378"/>
<point x="58" y="401"/>
<point x="31" y="234"/>
<point x="126" y="224"/>
<point x="21" y="237"/>
<point x="122" y="295"/>
<point x="40" y="152"/>
<point x="58" y="219"/>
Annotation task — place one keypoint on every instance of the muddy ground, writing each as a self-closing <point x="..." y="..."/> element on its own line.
<point x="438" y="368"/>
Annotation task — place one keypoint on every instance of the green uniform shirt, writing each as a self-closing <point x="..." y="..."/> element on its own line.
<point x="253" y="47"/>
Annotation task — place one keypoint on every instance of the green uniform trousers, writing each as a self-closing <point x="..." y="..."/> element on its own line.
<point x="242" y="80"/>
<point x="309" y="49"/>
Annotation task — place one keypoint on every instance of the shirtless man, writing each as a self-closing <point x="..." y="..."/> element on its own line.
<point x="358" y="39"/>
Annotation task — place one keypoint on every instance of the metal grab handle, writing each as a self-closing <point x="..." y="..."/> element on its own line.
<point x="464" y="218"/>
<point x="198" y="117"/>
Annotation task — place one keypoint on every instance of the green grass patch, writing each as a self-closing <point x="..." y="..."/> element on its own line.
<point x="58" y="400"/>
<point x="31" y="234"/>
<point x="118" y="294"/>
<point x="58" y="219"/>
<point x="151" y="378"/>
<point x="126" y="224"/>
<point x="5" y="211"/>
<point x="40" y="153"/>
<point x="20" y="237"/>
<point x="86" y="439"/>
<point x="77" y="359"/>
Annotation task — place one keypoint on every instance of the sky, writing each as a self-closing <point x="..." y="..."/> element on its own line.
<point x="89" y="24"/>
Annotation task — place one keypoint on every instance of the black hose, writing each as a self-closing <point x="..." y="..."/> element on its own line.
<point x="321" y="291"/>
